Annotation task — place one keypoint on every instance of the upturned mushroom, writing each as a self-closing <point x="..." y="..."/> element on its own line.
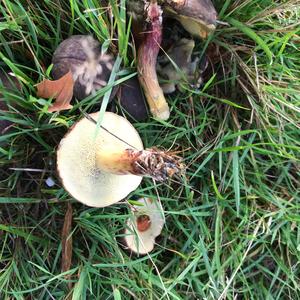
<point x="101" y="166"/>
<point x="144" y="226"/>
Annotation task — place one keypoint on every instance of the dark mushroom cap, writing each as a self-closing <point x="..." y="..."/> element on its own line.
<point x="130" y="97"/>
<point x="197" y="16"/>
<point x="196" y="9"/>
<point x="82" y="55"/>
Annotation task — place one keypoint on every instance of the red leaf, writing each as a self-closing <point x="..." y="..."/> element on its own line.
<point x="61" y="89"/>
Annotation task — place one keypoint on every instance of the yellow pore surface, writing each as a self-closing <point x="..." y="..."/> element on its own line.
<point x="76" y="160"/>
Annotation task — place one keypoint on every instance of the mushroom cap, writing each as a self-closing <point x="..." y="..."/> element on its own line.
<point x="76" y="160"/>
<point x="191" y="68"/>
<point x="82" y="55"/>
<point x="142" y="242"/>
<point x="131" y="99"/>
<point x="197" y="16"/>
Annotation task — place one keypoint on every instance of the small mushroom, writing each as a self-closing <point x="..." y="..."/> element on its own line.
<point x="144" y="226"/>
<point x="101" y="167"/>
<point x="190" y="69"/>
<point x="82" y="55"/>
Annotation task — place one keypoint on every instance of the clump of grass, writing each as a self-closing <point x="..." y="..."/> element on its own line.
<point x="232" y="224"/>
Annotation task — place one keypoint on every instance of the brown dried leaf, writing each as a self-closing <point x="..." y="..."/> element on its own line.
<point x="61" y="89"/>
<point x="67" y="245"/>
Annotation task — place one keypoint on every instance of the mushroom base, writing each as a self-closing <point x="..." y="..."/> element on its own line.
<point x="150" y="162"/>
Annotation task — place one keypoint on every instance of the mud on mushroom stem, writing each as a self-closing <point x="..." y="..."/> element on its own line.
<point x="150" y="162"/>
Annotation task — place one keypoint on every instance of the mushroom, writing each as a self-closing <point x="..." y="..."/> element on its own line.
<point x="91" y="71"/>
<point x="90" y="68"/>
<point x="146" y="63"/>
<point x="131" y="99"/>
<point x="144" y="226"/>
<point x="197" y="16"/>
<point x="99" y="167"/>
<point x="190" y="69"/>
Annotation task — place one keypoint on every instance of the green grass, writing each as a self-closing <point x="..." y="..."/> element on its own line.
<point x="233" y="225"/>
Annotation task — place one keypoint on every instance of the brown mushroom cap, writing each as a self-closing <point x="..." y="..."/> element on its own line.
<point x="82" y="55"/>
<point x="76" y="160"/>
<point x="197" y="16"/>
<point x="131" y="99"/>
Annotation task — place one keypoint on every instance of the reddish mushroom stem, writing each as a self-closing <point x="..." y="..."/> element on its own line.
<point x="146" y="63"/>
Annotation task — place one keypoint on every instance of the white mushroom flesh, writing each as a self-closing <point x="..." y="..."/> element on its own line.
<point x="142" y="242"/>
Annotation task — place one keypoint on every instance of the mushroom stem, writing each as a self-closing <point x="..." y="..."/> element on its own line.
<point x="146" y="63"/>
<point x="118" y="163"/>
<point x="150" y="162"/>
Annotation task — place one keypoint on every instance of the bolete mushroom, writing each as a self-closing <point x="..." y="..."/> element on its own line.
<point x="90" y="68"/>
<point x="197" y="16"/>
<point x="190" y="68"/>
<point x="144" y="226"/>
<point x="102" y="166"/>
<point x="81" y="54"/>
<point x="146" y="63"/>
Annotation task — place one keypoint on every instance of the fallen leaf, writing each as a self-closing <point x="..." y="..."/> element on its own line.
<point x="61" y="89"/>
<point x="67" y="244"/>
